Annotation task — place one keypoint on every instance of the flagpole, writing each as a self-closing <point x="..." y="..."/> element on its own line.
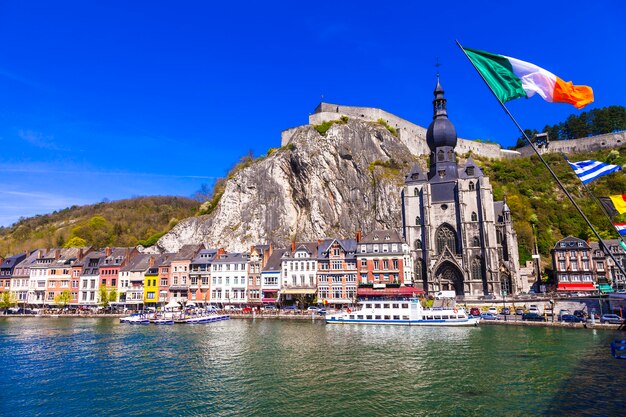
<point x="534" y="148"/>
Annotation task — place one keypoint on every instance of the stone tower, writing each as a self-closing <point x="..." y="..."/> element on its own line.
<point x="460" y="238"/>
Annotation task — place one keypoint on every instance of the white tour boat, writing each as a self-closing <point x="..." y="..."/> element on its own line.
<point x="404" y="313"/>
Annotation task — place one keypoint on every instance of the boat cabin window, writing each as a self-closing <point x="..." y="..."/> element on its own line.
<point x="376" y="305"/>
<point x="368" y="305"/>
<point x="437" y="317"/>
<point x="405" y="317"/>
<point x="445" y="317"/>
<point x="368" y="317"/>
<point x="352" y="316"/>
<point x="429" y="317"/>
<point x="405" y="306"/>
<point x="359" y="317"/>
<point x="387" y="317"/>
<point x="377" y="317"/>
<point x="385" y="305"/>
<point x="396" y="317"/>
<point x="396" y="305"/>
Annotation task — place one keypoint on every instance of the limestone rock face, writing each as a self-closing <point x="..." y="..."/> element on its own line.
<point x="318" y="186"/>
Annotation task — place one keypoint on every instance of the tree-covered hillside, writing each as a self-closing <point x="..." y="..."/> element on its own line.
<point x="534" y="197"/>
<point x="119" y="223"/>
<point x="594" y="122"/>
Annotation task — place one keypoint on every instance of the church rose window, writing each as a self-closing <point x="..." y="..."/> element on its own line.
<point x="446" y="237"/>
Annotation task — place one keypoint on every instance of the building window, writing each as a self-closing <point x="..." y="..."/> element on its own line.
<point x="472" y="187"/>
<point x="441" y="155"/>
<point x="477" y="273"/>
<point x="474" y="216"/>
<point x="446" y="237"/>
<point x="417" y="220"/>
<point x="476" y="241"/>
<point x="418" y="244"/>
<point x="416" y="192"/>
<point x="470" y="172"/>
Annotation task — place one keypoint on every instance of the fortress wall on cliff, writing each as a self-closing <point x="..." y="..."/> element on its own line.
<point x="590" y="144"/>
<point x="414" y="136"/>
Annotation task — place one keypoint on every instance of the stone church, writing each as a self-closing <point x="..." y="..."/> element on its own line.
<point x="461" y="239"/>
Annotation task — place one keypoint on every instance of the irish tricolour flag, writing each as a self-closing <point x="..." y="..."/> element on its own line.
<point x="510" y="78"/>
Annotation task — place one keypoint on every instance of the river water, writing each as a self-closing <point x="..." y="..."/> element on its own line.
<point x="74" y="366"/>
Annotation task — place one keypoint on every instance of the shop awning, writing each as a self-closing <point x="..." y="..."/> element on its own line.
<point x="270" y="290"/>
<point x="387" y="292"/>
<point x="299" y="291"/>
<point x="582" y="286"/>
<point x="268" y="300"/>
<point x="605" y="288"/>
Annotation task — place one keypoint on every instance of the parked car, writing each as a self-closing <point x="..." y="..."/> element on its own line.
<point x="505" y="311"/>
<point x="289" y="308"/>
<point x="312" y="309"/>
<point x="533" y="309"/>
<point x="247" y="310"/>
<point x="474" y="311"/>
<point x="269" y="308"/>
<point x="570" y="318"/>
<point x="493" y="310"/>
<point x="563" y="312"/>
<point x="532" y="317"/>
<point x="321" y="311"/>
<point x="488" y="316"/>
<point x="611" y="318"/>
<point x="580" y="314"/>
<point x="519" y="311"/>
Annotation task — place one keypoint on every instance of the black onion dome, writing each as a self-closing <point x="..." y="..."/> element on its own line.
<point x="441" y="131"/>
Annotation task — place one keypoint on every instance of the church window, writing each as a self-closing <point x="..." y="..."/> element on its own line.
<point x="472" y="187"/>
<point x="499" y="237"/>
<point x="469" y="171"/>
<point x="418" y="244"/>
<point x="444" y="207"/>
<point x="446" y="237"/>
<point x="451" y="155"/>
<point x="416" y="192"/>
<point x="417" y="220"/>
<point x="476" y="269"/>
<point x="474" y="216"/>
<point x="442" y="173"/>
<point x="476" y="241"/>
<point x="441" y="155"/>
<point x="419" y="270"/>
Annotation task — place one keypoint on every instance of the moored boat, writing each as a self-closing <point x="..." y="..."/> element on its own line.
<point x="404" y="313"/>
<point x="135" y="319"/>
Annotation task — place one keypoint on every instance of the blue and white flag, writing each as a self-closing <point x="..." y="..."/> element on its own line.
<point x="589" y="170"/>
<point x="621" y="228"/>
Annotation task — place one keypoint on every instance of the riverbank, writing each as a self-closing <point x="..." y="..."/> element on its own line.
<point x="316" y="317"/>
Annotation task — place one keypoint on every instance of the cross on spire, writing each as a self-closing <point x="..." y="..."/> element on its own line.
<point x="437" y="64"/>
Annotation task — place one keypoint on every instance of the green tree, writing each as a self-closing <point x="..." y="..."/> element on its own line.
<point x="75" y="242"/>
<point x="63" y="298"/>
<point x="107" y="296"/>
<point x="7" y="300"/>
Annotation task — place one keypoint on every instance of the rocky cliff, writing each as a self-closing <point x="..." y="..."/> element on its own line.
<point x="318" y="186"/>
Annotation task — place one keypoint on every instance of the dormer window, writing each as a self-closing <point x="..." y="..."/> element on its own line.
<point x="441" y="156"/>
<point x="441" y="173"/>
<point x="469" y="171"/>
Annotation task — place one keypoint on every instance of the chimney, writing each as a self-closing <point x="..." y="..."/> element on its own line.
<point x="40" y="254"/>
<point x="358" y="236"/>
<point x="293" y="246"/>
<point x="220" y="252"/>
<point x="80" y="254"/>
<point x="151" y="261"/>
<point x="57" y="253"/>
<point x="107" y="251"/>
<point x="319" y="242"/>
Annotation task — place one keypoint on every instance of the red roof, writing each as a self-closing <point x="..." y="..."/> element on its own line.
<point x="401" y="291"/>
<point x="584" y="286"/>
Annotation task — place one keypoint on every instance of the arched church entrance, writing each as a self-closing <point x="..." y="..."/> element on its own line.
<point x="506" y="284"/>
<point x="450" y="278"/>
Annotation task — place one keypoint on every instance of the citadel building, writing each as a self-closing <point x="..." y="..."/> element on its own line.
<point x="460" y="239"/>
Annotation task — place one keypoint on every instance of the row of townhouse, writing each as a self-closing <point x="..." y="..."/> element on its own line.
<point x="584" y="267"/>
<point x="331" y="271"/>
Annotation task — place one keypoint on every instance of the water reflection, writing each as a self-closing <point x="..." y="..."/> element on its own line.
<point x="303" y="368"/>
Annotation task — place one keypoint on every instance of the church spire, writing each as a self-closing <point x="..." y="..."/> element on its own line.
<point x="441" y="139"/>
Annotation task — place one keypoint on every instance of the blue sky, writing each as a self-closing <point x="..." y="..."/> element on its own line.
<point x="119" y="99"/>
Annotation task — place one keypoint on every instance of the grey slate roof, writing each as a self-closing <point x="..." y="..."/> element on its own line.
<point x="188" y="252"/>
<point x="275" y="261"/>
<point x="234" y="258"/>
<point x="348" y="245"/>
<point x="140" y="262"/>
<point x="380" y="236"/>
<point x="10" y="261"/>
